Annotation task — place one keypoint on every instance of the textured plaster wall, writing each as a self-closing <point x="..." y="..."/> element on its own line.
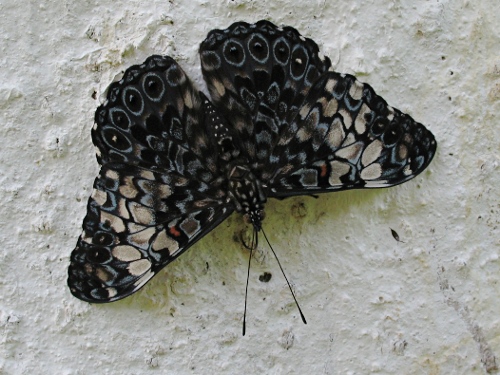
<point x="428" y="304"/>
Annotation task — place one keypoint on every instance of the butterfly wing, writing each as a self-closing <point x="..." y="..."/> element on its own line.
<point x="307" y="129"/>
<point x="258" y="76"/>
<point x="158" y="190"/>
<point x="344" y="137"/>
<point x="137" y="222"/>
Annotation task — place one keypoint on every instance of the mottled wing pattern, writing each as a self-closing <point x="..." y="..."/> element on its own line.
<point x="158" y="190"/>
<point x="154" y="118"/>
<point x="344" y="137"/>
<point x="258" y="76"/>
<point x="308" y="129"/>
<point x="174" y="166"/>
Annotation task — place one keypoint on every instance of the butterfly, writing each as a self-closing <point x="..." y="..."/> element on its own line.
<point x="175" y="164"/>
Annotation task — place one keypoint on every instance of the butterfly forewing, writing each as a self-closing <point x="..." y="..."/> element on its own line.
<point x="154" y="118"/>
<point x="345" y="136"/>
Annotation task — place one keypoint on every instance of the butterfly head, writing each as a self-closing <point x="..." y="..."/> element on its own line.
<point x="255" y="218"/>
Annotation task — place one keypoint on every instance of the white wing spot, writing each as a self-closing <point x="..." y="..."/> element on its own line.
<point x="351" y="152"/>
<point x="99" y="196"/>
<point x="402" y="151"/>
<point x="114" y="221"/>
<point x="139" y="267"/>
<point x="330" y="85"/>
<point x="127" y="189"/>
<point x="304" y="111"/>
<point x="360" y="123"/>
<point x="219" y="87"/>
<point x="112" y="174"/>
<point x="122" y="209"/>
<point x="141" y="214"/>
<point x="356" y="90"/>
<point x="390" y="116"/>
<point x="372" y="152"/>
<point x="126" y="253"/>
<point x="102" y="274"/>
<point x="147" y="175"/>
<point x="372" y="172"/>
<point x="336" y="133"/>
<point x="407" y="170"/>
<point x="347" y="118"/>
<point x="163" y="242"/>
<point x="339" y="169"/>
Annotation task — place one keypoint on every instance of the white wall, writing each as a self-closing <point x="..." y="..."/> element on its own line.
<point x="428" y="305"/>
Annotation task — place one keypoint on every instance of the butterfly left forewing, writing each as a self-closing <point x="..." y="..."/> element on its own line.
<point x="345" y="136"/>
<point x="154" y="118"/>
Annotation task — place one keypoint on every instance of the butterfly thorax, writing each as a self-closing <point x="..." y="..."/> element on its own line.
<point x="246" y="192"/>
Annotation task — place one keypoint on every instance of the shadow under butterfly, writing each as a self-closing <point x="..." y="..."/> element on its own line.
<point x="175" y="164"/>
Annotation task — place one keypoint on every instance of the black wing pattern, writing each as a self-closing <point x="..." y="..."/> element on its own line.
<point x="158" y="190"/>
<point x="258" y="76"/>
<point x="174" y="165"/>
<point x="345" y="137"/>
<point x="307" y="129"/>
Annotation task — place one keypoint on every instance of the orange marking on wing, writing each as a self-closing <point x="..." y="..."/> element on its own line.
<point x="174" y="232"/>
<point x="323" y="170"/>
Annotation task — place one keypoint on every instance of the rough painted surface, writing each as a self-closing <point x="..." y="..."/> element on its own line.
<point x="428" y="303"/>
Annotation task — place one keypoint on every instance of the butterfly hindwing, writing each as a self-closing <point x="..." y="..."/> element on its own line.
<point x="308" y="129"/>
<point x="346" y="136"/>
<point x="258" y="76"/>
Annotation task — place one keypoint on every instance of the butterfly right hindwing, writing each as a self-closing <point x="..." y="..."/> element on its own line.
<point x="307" y="129"/>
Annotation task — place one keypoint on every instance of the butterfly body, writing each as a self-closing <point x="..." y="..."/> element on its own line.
<point x="175" y="164"/>
<point x="244" y="191"/>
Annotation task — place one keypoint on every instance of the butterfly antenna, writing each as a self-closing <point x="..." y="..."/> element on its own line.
<point x="253" y="245"/>
<point x="283" y="272"/>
